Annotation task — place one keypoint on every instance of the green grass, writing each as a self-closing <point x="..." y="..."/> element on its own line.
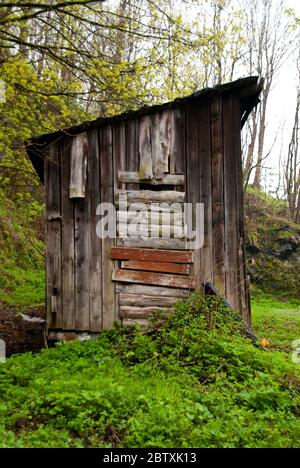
<point x="22" y="265"/>
<point x="195" y="381"/>
<point x="276" y="321"/>
<point x="21" y="287"/>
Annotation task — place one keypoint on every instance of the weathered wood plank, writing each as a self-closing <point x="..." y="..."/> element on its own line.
<point x="159" y="279"/>
<point x="230" y="204"/>
<point x="82" y="319"/>
<point x="193" y="174"/>
<point x="153" y="243"/>
<point x="155" y="230"/>
<point x="164" y="267"/>
<point x="177" y="150"/>
<point x="132" y="147"/>
<point x="156" y="207"/>
<point x="120" y="163"/>
<point x="134" y="178"/>
<point x="119" y="150"/>
<point x="152" y="255"/>
<point x="165" y="140"/>
<point x="79" y="151"/>
<point x="217" y="193"/>
<point x="156" y="148"/>
<point x="157" y="291"/>
<point x="82" y="245"/>
<point x="205" y="168"/>
<point x="53" y="262"/>
<point x="95" y="250"/>
<point x="137" y="196"/>
<point x="245" y="307"/>
<point x="158" y="152"/>
<point x="53" y="237"/>
<point x="109" y="312"/>
<point x="142" y="300"/>
<point x="148" y="217"/>
<point x="145" y="152"/>
<point x="143" y="312"/>
<point x="67" y="241"/>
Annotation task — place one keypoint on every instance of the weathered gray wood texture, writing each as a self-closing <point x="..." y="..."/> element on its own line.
<point x="195" y="146"/>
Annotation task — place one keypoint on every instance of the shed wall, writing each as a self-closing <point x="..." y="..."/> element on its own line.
<point x="204" y="146"/>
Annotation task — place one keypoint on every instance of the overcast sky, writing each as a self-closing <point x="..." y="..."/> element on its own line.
<point x="281" y="109"/>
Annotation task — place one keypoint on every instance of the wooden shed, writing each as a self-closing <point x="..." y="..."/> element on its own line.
<point x="185" y="152"/>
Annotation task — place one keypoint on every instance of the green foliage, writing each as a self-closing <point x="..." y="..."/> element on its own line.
<point x="268" y="229"/>
<point x="33" y="106"/>
<point x="22" y="271"/>
<point x="194" y="381"/>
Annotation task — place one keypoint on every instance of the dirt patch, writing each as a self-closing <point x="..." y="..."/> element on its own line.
<point x="21" y="335"/>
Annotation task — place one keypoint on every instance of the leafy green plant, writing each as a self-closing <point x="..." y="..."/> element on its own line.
<point x="193" y="381"/>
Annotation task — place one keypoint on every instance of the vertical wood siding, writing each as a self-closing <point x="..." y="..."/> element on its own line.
<point x="230" y="204"/>
<point x="68" y="240"/>
<point x="95" y="259"/>
<point x="205" y="173"/>
<point x="201" y="141"/>
<point x="217" y="193"/>
<point x="53" y="238"/>
<point x="107" y="195"/>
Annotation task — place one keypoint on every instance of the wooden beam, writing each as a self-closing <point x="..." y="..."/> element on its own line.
<point x="134" y="178"/>
<point x="153" y="243"/>
<point x="242" y="271"/>
<point x="164" y="267"/>
<point x="193" y="110"/>
<point x="119" y="148"/>
<point x="145" y="255"/>
<point x="231" y="261"/>
<point x="131" y="148"/>
<point x="53" y="237"/>
<point x="159" y="279"/>
<point x="154" y="207"/>
<point x="205" y="169"/>
<point x="138" y="289"/>
<point x="163" y="231"/>
<point x="95" y="263"/>
<point x="109" y="312"/>
<point x="67" y="241"/>
<point x="82" y="255"/>
<point x="82" y="238"/>
<point x="149" y="196"/>
<point x="217" y="190"/>
<point x="142" y="300"/>
<point x="147" y="217"/>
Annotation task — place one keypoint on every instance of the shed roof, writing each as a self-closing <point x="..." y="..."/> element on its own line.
<point x="249" y="90"/>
